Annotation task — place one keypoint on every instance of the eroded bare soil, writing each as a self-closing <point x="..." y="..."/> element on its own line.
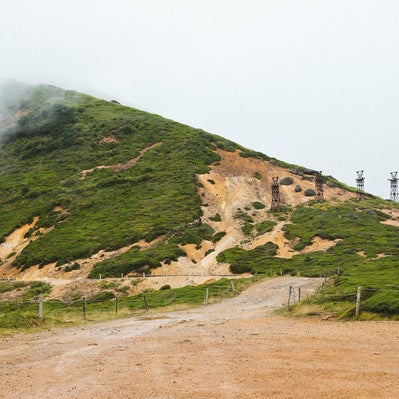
<point x="233" y="349"/>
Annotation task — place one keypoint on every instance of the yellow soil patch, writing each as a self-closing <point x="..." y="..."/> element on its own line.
<point x="319" y="244"/>
<point x="394" y="220"/>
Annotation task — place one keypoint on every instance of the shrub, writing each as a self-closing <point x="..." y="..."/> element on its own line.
<point x="216" y="218"/>
<point x="218" y="236"/>
<point x="258" y="205"/>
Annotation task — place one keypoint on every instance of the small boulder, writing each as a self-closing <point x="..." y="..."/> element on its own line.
<point x="286" y="181"/>
<point x="310" y="192"/>
<point x="298" y="188"/>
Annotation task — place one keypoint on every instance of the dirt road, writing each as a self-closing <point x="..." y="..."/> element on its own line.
<point x="233" y="349"/>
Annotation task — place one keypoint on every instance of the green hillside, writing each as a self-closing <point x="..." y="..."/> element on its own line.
<point x="64" y="133"/>
<point x="102" y="176"/>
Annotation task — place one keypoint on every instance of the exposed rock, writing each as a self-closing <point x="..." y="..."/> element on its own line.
<point x="286" y="181"/>
<point x="298" y="188"/>
<point x="309" y="192"/>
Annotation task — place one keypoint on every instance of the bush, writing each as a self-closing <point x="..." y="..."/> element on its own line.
<point x="258" y="205"/>
<point x="218" y="236"/>
<point x="216" y="218"/>
<point x="101" y="297"/>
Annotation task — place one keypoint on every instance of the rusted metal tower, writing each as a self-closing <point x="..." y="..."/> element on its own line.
<point x="360" y="184"/>
<point x="319" y="186"/>
<point x="275" y="194"/>
<point x="394" y="186"/>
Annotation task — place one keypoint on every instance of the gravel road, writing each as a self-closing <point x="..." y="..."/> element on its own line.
<point x="233" y="349"/>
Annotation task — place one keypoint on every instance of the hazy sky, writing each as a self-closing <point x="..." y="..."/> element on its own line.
<point x="311" y="82"/>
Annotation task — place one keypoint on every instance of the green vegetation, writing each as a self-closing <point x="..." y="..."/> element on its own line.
<point x="67" y="159"/>
<point x="366" y="254"/>
<point x="100" y="307"/>
<point x="7" y="286"/>
<point x="264" y="227"/>
<point x="218" y="236"/>
<point x="216" y="218"/>
<point x="258" y="205"/>
<point x="62" y="133"/>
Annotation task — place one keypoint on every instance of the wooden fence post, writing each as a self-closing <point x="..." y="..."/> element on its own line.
<point x="41" y="307"/>
<point x="84" y="308"/>
<point x="358" y="295"/>
<point x="299" y="294"/>
<point x="145" y="303"/>
<point x="206" y="295"/>
<point x="289" y="296"/>
<point x="293" y="295"/>
<point x="232" y="285"/>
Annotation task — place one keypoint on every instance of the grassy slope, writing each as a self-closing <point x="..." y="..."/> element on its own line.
<point x="41" y="160"/>
<point x="40" y="168"/>
<point x="359" y="228"/>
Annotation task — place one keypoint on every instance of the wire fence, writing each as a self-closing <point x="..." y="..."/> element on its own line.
<point x="107" y="305"/>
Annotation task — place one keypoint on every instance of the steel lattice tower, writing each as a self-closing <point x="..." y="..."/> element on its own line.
<point x="360" y="184"/>
<point x="394" y="186"/>
<point x="318" y="181"/>
<point x="275" y="194"/>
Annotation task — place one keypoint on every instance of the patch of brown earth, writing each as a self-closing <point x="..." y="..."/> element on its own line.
<point x="109" y="139"/>
<point x="120" y="166"/>
<point x="13" y="120"/>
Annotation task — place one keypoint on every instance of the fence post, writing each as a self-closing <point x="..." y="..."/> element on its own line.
<point x="41" y="307"/>
<point x="206" y="296"/>
<point x="84" y="307"/>
<point x="232" y="285"/>
<point x="358" y="295"/>
<point x="145" y="303"/>
<point x="289" y="296"/>
<point x="299" y="294"/>
<point x="116" y="304"/>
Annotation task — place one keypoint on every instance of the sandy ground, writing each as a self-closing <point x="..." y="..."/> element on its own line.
<point x="233" y="349"/>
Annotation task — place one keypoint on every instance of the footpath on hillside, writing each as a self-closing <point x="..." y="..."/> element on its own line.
<point x="236" y="348"/>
